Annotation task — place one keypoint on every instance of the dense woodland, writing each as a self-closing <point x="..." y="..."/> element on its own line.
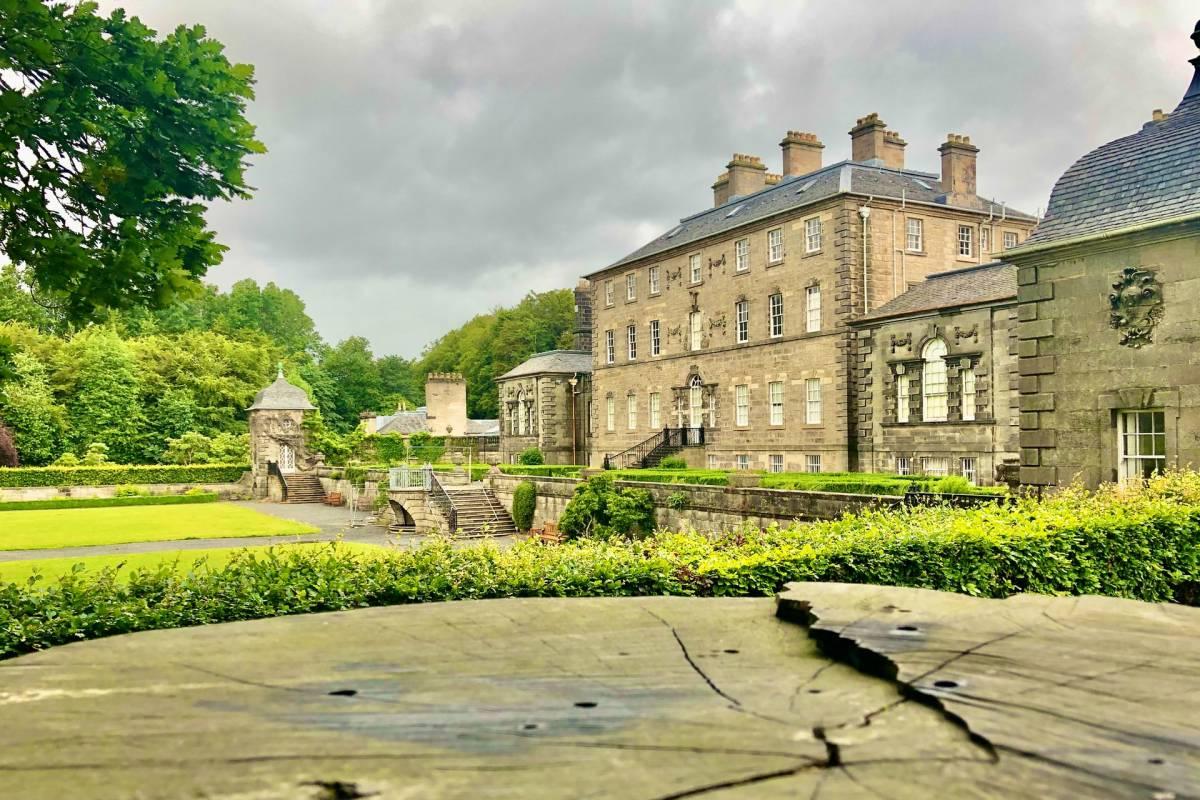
<point x="172" y="385"/>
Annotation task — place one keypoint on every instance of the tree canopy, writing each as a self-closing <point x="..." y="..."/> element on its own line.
<point x="112" y="143"/>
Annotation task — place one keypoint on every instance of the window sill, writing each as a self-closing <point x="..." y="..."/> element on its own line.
<point x="809" y="254"/>
<point x="920" y="253"/>
<point x="656" y="294"/>
<point x="778" y="263"/>
<point x="629" y="300"/>
<point x="741" y="272"/>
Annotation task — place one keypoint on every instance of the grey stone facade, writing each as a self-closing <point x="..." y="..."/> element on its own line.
<point x="277" y="435"/>
<point x="544" y="405"/>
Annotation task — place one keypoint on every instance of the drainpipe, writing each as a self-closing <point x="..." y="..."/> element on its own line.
<point x="864" y="211"/>
<point x="573" y="381"/>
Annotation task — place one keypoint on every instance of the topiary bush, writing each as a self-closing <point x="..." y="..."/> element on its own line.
<point x="602" y="510"/>
<point x="524" y="505"/>
<point x="673" y="462"/>
<point x="531" y="457"/>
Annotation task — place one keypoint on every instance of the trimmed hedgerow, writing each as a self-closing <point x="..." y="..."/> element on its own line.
<point x="1142" y="544"/>
<point x="109" y="474"/>
<point x="109" y="502"/>
<point x="524" y="505"/>
<point x="543" y="470"/>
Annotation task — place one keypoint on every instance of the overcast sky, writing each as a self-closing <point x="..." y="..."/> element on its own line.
<point x="431" y="160"/>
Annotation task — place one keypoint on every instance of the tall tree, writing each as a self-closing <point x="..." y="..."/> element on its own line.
<point x="112" y="143"/>
<point x="28" y="407"/>
<point x="104" y="403"/>
<point x="355" y="376"/>
<point x="278" y="313"/>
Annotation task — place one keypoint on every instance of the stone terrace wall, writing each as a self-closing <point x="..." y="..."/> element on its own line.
<point x="709" y="508"/>
<point x="227" y="491"/>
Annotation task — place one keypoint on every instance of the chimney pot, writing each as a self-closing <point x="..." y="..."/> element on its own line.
<point x="867" y="139"/>
<point x="959" y="158"/>
<point x="801" y="153"/>
<point x="746" y="175"/>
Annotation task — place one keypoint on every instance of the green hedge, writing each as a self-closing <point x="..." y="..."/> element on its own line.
<point x="524" y="505"/>
<point x="1139" y="544"/>
<point x="543" y="470"/>
<point x="703" y="477"/>
<point x="107" y="502"/>
<point x="110" y="474"/>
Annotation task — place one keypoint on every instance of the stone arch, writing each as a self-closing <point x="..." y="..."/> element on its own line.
<point x="403" y="518"/>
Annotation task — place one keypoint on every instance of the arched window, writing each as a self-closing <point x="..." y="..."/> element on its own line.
<point x="522" y="414"/>
<point x="933" y="382"/>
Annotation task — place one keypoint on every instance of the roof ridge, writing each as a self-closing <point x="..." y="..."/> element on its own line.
<point x="964" y="270"/>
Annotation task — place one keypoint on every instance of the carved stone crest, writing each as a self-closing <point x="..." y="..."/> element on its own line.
<point x="904" y="341"/>
<point x="1136" y="306"/>
<point x="966" y="333"/>
<point x="675" y="332"/>
<point x="717" y="322"/>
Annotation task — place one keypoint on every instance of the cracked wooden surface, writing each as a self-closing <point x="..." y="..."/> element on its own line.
<point x="653" y="698"/>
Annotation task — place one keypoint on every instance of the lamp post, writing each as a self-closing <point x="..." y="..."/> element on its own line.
<point x="573" y="381"/>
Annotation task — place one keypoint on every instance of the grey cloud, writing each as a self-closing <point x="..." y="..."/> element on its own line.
<point x="429" y="160"/>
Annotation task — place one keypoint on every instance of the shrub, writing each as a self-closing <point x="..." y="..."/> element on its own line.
<point x="67" y="459"/>
<point x="129" y="490"/>
<point x="547" y="470"/>
<point x="97" y="454"/>
<point x="703" y="477"/>
<point x="187" y="498"/>
<point x="602" y="510"/>
<point x="524" y="505"/>
<point x="677" y="501"/>
<point x="673" y="462"/>
<point x="8" y="450"/>
<point x="531" y="457"/>
<point x="119" y="473"/>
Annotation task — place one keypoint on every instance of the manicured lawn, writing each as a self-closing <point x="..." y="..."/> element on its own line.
<point x="82" y="527"/>
<point x="52" y="568"/>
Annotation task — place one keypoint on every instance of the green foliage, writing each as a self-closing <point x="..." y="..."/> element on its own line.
<point x="129" y="490"/>
<point x="390" y="448"/>
<point x="524" y="505"/>
<point x="120" y="473"/>
<point x="602" y="510"/>
<point x="677" y="501"/>
<point x="545" y="470"/>
<point x="189" y="497"/>
<point x="196" y="448"/>
<point x="673" y="462"/>
<point x="28" y="407"/>
<point x="67" y="459"/>
<point x="703" y="477"/>
<point x="493" y="343"/>
<point x="8" y="449"/>
<point x="106" y="122"/>
<point x="426" y="448"/>
<point x="531" y="457"/>
<point x="103" y="399"/>
<point x="1136" y="543"/>
<point x="96" y="455"/>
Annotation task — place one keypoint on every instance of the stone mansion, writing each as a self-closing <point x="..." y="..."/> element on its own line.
<point x="865" y="316"/>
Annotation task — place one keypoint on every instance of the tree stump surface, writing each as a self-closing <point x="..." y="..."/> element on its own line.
<point x="655" y="698"/>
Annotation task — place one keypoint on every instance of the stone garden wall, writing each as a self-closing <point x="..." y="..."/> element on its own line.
<point x="708" y="508"/>
<point x="227" y="491"/>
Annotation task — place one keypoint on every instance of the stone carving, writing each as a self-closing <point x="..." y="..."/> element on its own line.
<point x="1136" y="306"/>
<point x="695" y="300"/>
<point x="904" y="341"/>
<point x="713" y="263"/>
<point x="717" y="322"/>
<point x="971" y="333"/>
<point x="674" y="275"/>
<point x="675" y="332"/>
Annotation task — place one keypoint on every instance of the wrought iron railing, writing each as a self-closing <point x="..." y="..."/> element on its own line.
<point x="660" y="444"/>
<point x="442" y="499"/>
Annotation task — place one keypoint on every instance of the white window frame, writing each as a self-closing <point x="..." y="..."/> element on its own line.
<point x="1011" y="240"/>
<point x="695" y="331"/>
<point x="655" y="403"/>
<point x="966" y="241"/>
<point x="934" y="383"/>
<point x="776" y="463"/>
<point x="812" y="235"/>
<point x="610" y="297"/>
<point x="935" y="466"/>
<point x="775" y="303"/>
<point x="696" y="271"/>
<point x="969" y="393"/>
<point x="741" y="325"/>
<point x="655" y="338"/>
<point x="631" y="411"/>
<point x="903" y="465"/>
<point x="610" y="410"/>
<point x="812" y="401"/>
<point x="985" y="239"/>
<point x="631" y="286"/>
<point x="741" y="405"/>
<point x="775" y="245"/>
<point x="903" y="388"/>
<point x="741" y="257"/>
<point x="1136" y="443"/>
<point x="967" y="467"/>
<point x="812" y="462"/>
<point x="712" y="461"/>
<point x="914" y="235"/>
<point x="775" y="397"/>
<point x="812" y="309"/>
<point x="653" y="280"/>
<point x="631" y="339"/>
<point x="741" y="461"/>
<point x="610" y="347"/>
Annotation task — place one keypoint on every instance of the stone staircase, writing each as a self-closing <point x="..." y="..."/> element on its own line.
<point x="304" y="488"/>
<point x="480" y="513"/>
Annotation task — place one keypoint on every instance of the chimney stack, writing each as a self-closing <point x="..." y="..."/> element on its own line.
<point x="801" y="153"/>
<point x="867" y="138"/>
<point x="958" y="167"/>
<point x="583" y="315"/>
<point x="369" y="423"/>
<point x="446" y="403"/>
<point x="893" y="150"/>
<point x="746" y="175"/>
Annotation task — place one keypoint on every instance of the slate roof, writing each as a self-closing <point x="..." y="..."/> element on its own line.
<point x="416" y="421"/>
<point x="552" y="362"/>
<point x="987" y="283"/>
<point x="281" y="396"/>
<point x="860" y="178"/>
<point x="1151" y="176"/>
